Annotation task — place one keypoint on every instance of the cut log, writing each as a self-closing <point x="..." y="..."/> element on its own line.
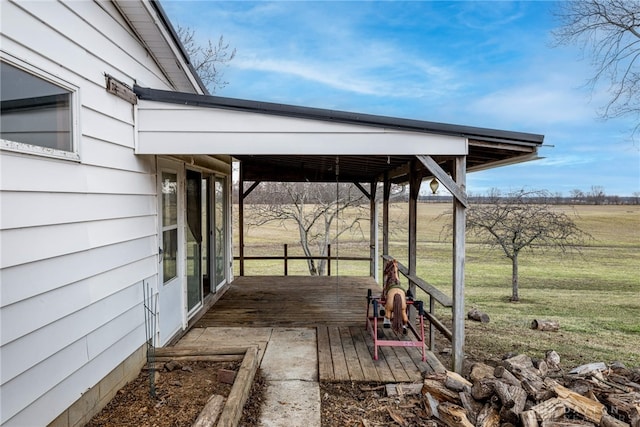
<point x="545" y="325"/>
<point x="438" y="390"/>
<point x="588" y="408"/>
<point x="522" y="368"/>
<point x="471" y="406"/>
<point x="453" y="415"/>
<point x="529" y="419"/>
<point x="519" y="399"/>
<point x="478" y="316"/>
<point x="623" y="405"/>
<point x="508" y="417"/>
<point x="482" y="390"/>
<point x="609" y="421"/>
<point x="567" y="423"/>
<point x="480" y="371"/>
<point x="431" y="405"/>
<point x="457" y="382"/>
<point x="549" y="410"/>
<point x="588" y="368"/>
<point x="502" y="391"/>
<point x="210" y="412"/>
<point x="504" y="375"/>
<point x="488" y="417"/>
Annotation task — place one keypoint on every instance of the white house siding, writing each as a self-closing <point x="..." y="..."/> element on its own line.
<point x="78" y="239"/>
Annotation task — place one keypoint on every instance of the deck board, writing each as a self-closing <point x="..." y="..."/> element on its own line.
<point x="337" y="308"/>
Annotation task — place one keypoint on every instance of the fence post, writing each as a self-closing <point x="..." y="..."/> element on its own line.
<point x="286" y="260"/>
<point x="329" y="259"/>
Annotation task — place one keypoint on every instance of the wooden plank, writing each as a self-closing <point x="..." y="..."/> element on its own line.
<point x="301" y="302"/>
<point x="240" y="391"/>
<point x="325" y="365"/>
<point x="383" y="369"/>
<point x="366" y="362"/>
<point x="434" y="292"/>
<point x="197" y="351"/>
<point x="350" y="355"/>
<point x="394" y="363"/>
<point x="409" y="365"/>
<point x="209" y="414"/>
<point x="398" y="372"/>
<point x="340" y="371"/>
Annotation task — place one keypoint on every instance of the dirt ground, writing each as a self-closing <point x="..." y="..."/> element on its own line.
<point x="180" y="396"/>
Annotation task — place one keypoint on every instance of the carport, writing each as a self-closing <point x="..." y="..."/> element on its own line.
<point x="285" y="143"/>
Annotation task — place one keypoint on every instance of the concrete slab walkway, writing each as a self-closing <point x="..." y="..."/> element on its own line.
<point x="289" y="363"/>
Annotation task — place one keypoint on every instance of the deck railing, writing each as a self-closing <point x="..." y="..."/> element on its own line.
<point x="285" y="257"/>
<point x="435" y="295"/>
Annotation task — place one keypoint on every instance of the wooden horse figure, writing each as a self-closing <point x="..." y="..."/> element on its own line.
<point x="395" y="307"/>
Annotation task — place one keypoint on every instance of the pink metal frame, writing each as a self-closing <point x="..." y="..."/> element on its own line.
<point x="375" y="304"/>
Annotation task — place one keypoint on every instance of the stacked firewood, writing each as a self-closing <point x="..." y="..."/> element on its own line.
<point x="535" y="393"/>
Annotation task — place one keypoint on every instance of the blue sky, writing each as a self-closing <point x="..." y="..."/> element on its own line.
<point x="488" y="64"/>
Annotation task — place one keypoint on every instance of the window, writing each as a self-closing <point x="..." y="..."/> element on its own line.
<point x="169" y="226"/>
<point x="35" y="114"/>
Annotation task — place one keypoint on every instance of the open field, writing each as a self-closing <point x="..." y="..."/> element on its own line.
<point x="595" y="294"/>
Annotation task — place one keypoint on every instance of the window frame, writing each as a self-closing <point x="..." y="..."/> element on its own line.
<point x="25" y="148"/>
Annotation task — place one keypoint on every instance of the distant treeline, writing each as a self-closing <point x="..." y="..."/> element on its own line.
<point x="555" y="200"/>
<point x="274" y="192"/>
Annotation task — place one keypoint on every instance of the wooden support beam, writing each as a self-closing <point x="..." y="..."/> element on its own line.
<point x="442" y="176"/>
<point x="250" y="189"/>
<point x="241" y="218"/>
<point x="459" y="228"/>
<point x="364" y="190"/>
<point x="415" y="178"/>
<point x="386" y="193"/>
<point x="373" y="230"/>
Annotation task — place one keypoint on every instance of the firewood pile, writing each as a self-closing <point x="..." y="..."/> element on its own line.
<point x="524" y="392"/>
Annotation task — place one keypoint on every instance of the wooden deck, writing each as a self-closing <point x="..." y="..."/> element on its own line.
<point x="337" y="308"/>
<point x="298" y="301"/>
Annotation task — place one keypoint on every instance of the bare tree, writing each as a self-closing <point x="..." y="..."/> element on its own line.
<point x="597" y="195"/>
<point x="522" y="221"/>
<point x="610" y="30"/>
<point x="317" y="210"/>
<point x="207" y="59"/>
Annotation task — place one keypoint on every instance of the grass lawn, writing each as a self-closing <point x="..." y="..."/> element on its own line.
<point x="595" y="295"/>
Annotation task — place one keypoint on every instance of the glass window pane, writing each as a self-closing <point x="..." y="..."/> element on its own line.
<point x="219" y="231"/>
<point x="169" y="199"/>
<point x="170" y="254"/>
<point x="34" y="111"/>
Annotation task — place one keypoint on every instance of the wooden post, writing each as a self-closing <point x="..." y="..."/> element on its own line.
<point x="372" y="229"/>
<point x="386" y="192"/>
<point x="459" y="228"/>
<point x="414" y="189"/>
<point x="329" y="259"/>
<point x="286" y="259"/>
<point x="241" y="217"/>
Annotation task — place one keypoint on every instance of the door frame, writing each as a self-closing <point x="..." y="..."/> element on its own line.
<point x="172" y="295"/>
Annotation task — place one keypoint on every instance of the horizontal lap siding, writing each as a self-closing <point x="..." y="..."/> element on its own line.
<point x="78" y="239"/>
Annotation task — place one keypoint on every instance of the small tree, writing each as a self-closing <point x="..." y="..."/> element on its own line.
<point x="522" y="221"/>
<point x="316" y="209"/>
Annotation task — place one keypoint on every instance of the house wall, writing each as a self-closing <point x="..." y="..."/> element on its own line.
<point x="78" y="238"/>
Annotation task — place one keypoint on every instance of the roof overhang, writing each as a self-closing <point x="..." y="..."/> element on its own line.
<point x="278" y="142"/>
<point x="149" y="22"/>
